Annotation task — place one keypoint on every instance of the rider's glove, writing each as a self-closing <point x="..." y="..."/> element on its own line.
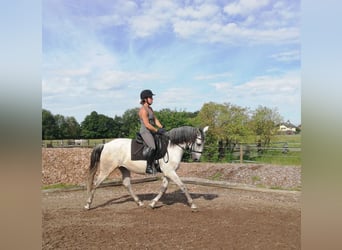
<point x="161" y="131"/>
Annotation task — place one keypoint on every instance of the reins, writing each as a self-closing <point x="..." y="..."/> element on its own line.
<point x="186" y="135"/>
<point x="167" y="153"/>
<point x="190" y="147"/>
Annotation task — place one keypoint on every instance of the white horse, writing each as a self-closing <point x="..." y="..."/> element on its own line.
<point x="117" y="154"/>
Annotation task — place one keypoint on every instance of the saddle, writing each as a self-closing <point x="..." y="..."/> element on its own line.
<point x="138" y="145"/>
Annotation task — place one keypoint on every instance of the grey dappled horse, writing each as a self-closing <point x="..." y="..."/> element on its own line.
<point x="117" y="154"/>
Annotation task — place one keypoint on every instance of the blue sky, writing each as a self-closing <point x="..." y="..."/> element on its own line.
<point x="98" y="55"/>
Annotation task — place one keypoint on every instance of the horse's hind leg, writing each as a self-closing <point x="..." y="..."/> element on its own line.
<point x="100" y="178"/>
<point x="175" y="178"/>
<point x="126" y="181"/>
<point x="162" y="191"/>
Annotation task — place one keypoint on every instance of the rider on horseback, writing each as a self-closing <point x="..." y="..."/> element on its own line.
<point x="149" y="122"/>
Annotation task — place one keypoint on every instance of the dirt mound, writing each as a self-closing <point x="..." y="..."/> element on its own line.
<point x="70" y="165"/>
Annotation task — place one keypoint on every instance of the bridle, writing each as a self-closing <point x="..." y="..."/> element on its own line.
<point x="191" y="146"/>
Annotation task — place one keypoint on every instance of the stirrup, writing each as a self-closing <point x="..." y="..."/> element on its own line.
<point x="150" y="170"/>
<point x="157" y="166"/>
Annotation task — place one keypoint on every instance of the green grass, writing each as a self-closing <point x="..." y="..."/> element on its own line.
<point x="216" y="177"/>
<point x="288" y="189"/>
<point x="278" y="158"/>
<point x="289" y="138"/>
<point x="59" y="186"/>
<point x="292" y="140"/>
<point x="274" y="155"/>
<point x="256" y="178"/>
<point x="260" y="186"/>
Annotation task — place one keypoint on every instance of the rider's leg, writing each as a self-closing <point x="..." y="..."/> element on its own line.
<point x="149" y="151"/>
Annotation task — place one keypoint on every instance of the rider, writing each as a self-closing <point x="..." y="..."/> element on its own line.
<point x="149" y="122"/>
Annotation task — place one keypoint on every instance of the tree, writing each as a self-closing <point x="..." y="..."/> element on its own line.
<point x="264" y="123"/>
<point x="130" y="123"/>
<point x="229" y="126"/>
<point x="68" y="127"/>
<point x="49" y="126"/>
<point x="97" y="126"/>
<point x="117" y="127"/>
<point x="58" y="126"/>
<point x="174" y="119"/>
<point x="62" y="127"/>
<point x="226" y="121"/>
<point x="73" y="128"/>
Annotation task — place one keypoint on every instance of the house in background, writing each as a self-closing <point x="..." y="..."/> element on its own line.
<point x="288" y="128"/>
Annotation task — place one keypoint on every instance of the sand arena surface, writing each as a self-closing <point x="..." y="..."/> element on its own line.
<point x="226" y="219"/>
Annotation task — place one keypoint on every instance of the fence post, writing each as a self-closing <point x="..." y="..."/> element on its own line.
<point x="241" y="154"/>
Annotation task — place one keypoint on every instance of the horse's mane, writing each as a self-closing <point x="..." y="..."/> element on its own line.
<point x="183" y="134"/>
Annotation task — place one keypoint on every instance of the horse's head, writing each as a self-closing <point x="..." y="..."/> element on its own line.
<point x="198" y="145"/>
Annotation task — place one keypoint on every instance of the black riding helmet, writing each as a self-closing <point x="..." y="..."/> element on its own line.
<point x="145" y="94"/>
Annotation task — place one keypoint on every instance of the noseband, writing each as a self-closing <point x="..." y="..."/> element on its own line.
<point x="191" y="147"/>
<point x="194" y="151"/>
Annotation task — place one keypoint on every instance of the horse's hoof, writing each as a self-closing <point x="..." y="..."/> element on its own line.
<point x="152" y="205"/>
<point x="87" y="207"/>
<point x="140" y="204"/>
<point x="194" y="208"/>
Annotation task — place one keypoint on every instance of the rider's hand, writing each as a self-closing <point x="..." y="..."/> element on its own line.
<point x="161" y="131"/>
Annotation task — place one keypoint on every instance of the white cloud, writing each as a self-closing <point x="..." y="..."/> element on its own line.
<point x="243" y="7"/>
<point x="61" y="86"/>
<point x="49" y="89"/>
<point x="144" y="26"/>
<point x="78" y="72"/>
<point x="225" y="86"/>
<point x="287" y="56"/>
<point x="213" y="76"/>
<point x="204" y="22"/>
<point x="177" y="98"/>
<point x="118" y="79"/>
<point x="265" y="27"/>
<point x="263" y="21"/>
<point x="198" y="12"/>
<point x="275" y="89"/>
<point x="108" y="51"/>
<point x="188" y="28"/>
<point x="272" y="85"/>
<point x="153" y="16"/>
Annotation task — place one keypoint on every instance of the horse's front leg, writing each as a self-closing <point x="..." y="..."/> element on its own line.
<point x="175" y="178"/>
<point x="163" y="188"/>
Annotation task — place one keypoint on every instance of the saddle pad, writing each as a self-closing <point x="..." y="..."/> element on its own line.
<point x="136" y="150"/>
<point x="161" y="148"/>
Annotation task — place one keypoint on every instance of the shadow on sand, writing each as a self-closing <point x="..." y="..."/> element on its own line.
<point x="167" y="199"/>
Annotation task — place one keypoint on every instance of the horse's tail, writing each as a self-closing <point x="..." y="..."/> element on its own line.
<point x="94" y="162"/>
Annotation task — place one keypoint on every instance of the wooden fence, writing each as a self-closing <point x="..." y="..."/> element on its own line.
<point x="241" y="153"/>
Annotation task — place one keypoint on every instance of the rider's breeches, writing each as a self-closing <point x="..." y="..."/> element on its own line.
<point x="148" y="139"/>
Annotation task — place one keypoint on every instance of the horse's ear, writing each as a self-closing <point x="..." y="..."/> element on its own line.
<point x="205" y="129"/>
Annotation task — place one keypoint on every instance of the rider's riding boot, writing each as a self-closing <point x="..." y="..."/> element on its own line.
<point x="157" y="166"/>
<point x="148" y="153"/>
<point x="150" y="168"/>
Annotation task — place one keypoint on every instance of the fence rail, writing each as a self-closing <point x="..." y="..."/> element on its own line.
<point x="247" y="153"/>
<point x="71" y="143"/>
<point x="250" y="153"/>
